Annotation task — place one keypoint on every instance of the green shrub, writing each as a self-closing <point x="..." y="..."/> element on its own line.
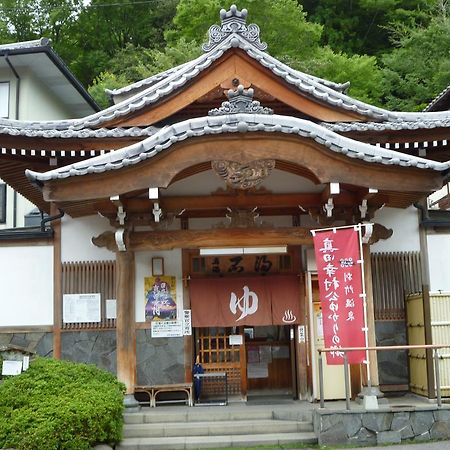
<point x="59" y="405"/>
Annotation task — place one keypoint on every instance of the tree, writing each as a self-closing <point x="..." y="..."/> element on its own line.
<point x="416" y="71"/>
<point x="105" y="28"/>
<point x="362" y="26"/>
<point x="285" y="28"/>
<point x="23" y="20"/>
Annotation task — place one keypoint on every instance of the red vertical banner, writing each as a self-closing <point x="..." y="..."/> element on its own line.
<point x="339" y="265"/>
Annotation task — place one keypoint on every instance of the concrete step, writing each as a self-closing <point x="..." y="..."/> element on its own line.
<point x="160" y="415"/>
<point x="197" y="415"/>
<point x="214" y="428"/>
<point x="218" y="441"/>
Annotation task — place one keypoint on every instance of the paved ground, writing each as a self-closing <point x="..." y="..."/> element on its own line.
<point x="441" y="445"/>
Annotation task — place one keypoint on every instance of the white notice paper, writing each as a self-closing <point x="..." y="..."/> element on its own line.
<point x="25" y="362"/>
<point x="111" y="308"/>
<point x="235" y="339"/>
<point x="11" y="367"/>
<point x="187" y="322"/>
<point x="81" y="308"/>
<point x="167" y="328"/>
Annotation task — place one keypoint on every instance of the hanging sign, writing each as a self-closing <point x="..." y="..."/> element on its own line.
<point x="237" y="301"/>
<point x="341" y="292"/>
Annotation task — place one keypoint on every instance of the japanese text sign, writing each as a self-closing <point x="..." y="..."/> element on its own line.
<point x="341" y="295"/>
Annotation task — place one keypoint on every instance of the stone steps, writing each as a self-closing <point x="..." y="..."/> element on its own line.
<point x="216" y="427"/>
<point x="193" y="442"/>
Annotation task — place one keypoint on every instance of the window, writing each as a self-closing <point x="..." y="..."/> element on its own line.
<point x="4" y="99"/>
<point x="2" y="202"/>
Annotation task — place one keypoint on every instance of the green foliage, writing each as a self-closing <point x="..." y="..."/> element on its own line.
<point x="104" y="29"/>
<point x="134" y="63"/>
<point x="419" y="68"/>
<point x="60" y="405"/>
<point x="283" y="22"/>
<point x="365" y="77"/>
<point x="362" y="26"/>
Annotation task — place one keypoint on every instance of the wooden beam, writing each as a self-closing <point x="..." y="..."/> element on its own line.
<point x="324" y="163"/>
<point x="229" y="237"/>
<point x="125" y="323"/>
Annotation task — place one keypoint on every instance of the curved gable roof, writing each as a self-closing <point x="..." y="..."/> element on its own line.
<point x="237" y="123"/>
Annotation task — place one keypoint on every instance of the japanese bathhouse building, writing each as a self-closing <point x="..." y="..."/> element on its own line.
<point x="185" y="210"/>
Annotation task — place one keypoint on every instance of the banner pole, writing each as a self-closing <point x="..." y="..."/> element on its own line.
<point x="364" y="297"/>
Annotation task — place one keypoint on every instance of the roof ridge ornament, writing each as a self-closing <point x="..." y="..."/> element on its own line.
<point x="240" y="101"/>
<point x="233" y="21"/>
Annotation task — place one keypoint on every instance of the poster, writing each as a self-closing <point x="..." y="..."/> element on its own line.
<point x="160" y="298"/>
<point x="81" y="308"/>
<point x="341" y="292"/>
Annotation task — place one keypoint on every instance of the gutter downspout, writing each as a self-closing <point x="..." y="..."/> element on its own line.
<point x="51" y="219"/>
<point x="14" y="71"/>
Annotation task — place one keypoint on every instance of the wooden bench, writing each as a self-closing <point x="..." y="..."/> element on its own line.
<point x="153" y="391"/>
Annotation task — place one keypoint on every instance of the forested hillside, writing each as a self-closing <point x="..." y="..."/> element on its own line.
<point x="396" y="53"/>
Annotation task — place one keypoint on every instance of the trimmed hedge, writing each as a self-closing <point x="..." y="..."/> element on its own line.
<point x="59" y="405"/>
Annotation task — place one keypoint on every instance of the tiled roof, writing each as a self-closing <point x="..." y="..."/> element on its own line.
<point x="242" y="123"/>
<point x="36" y="131"/>
<point x="419" y="124"/>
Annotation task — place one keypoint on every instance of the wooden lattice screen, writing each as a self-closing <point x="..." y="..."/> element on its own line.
<point x="90" y="277"/>
<point x="394" y="276"/>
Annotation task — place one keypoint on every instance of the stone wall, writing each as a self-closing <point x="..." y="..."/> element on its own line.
<point x="392" y="365"/>
<point x="93" y="347"/>
<point x="382" y="426"/>
<point x="35" y="342"/>
<point x="159" y="360"/>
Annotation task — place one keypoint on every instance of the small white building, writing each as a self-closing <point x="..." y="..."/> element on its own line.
<point x="35" y="84"/>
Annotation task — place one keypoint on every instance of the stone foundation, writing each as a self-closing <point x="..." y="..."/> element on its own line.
<point x="159" y="360"/>
<point x="92" y="347"/>
<point x="382" y="426"/>
<point x="34" y="342"/>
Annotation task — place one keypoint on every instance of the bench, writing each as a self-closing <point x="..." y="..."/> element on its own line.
<point x="153" y="391"/>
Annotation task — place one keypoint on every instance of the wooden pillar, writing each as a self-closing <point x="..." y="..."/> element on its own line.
<point x="424" y="267"/>
<point x="373" y="366"/>
<point x="125" y="323"/>
<point x="57" y="283"/>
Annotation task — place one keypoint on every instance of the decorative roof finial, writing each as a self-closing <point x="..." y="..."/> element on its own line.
<point x="233" y="21"/>
<point x="240" y="101"/>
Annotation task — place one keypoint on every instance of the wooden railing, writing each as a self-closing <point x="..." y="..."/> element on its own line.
<point x="394" y="276"/>
<point x="86" y="277"/>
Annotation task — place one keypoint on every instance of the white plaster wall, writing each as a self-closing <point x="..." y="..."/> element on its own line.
<point x="37" y="102"/>
<point x="76" y="235"/>
<point x="405" y="224"/>
<point x="172" y="267"/>
<point x="439" y="261"/>
<point x="26" y="287"/>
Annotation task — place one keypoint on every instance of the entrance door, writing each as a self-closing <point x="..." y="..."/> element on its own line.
<point x="216" y="354"/>
<point x="269" y="368"/>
